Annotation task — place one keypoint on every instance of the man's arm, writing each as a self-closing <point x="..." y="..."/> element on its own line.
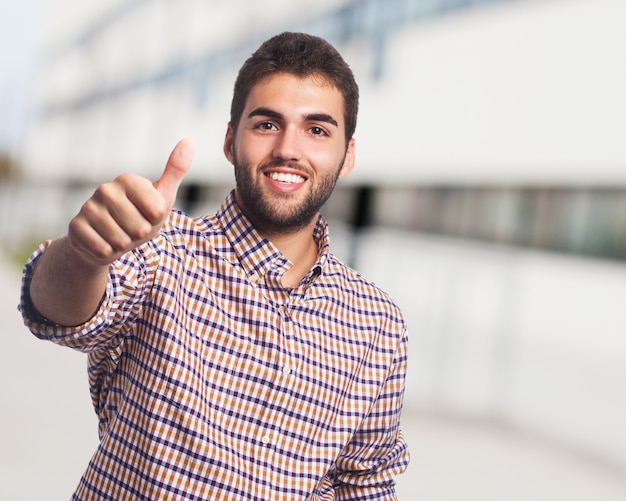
<point x="70" y="277"/>
<point x="378" y="452"/>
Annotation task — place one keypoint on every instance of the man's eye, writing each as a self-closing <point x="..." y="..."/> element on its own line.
<point x="266" y="126"/>
<point x="317" y="131"/>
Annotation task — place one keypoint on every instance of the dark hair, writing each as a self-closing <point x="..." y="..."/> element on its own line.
<point x="302" y="55"/>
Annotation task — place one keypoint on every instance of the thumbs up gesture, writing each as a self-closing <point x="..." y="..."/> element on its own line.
<point x="127" y="212"/>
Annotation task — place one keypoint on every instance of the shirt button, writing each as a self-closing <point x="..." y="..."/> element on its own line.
<point x="286" y="370"/>
<point x="265" y="439"/>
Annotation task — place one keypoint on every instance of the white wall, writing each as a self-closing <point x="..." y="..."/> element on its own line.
<point x="519" y="92"/>
<point x="526" y="91"/>
<point x="524" y="338"/>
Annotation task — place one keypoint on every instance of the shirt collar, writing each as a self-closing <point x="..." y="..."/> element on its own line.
<point x="257" y="254"/>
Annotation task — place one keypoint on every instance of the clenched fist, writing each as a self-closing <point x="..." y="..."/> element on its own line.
<point x="70" y="277"/>
<point x="125" y="213"/>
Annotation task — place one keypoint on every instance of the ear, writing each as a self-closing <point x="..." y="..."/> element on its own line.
<point x="229" y="144"/>
<point x="348" y="162"/>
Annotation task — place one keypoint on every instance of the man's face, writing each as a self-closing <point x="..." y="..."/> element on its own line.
<point x="288" y="151"/>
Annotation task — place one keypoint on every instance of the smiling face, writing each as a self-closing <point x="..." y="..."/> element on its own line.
<point x="288" y="151"/>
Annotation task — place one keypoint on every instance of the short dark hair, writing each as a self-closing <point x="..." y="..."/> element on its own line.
<point x="302" y="55"/>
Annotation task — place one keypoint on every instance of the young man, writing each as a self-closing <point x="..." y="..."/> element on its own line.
<point x="233" y="356"/>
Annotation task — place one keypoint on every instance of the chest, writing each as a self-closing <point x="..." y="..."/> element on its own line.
<point x="247" y="357"/>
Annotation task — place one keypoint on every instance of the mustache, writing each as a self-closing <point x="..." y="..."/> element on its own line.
<point x="290" y="164"/>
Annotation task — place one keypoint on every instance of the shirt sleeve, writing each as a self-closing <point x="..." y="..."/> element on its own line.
<point x="125" y="291"/>
<point x="368" y="465"/>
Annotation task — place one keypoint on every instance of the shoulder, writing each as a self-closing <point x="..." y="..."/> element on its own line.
<point x="181" y="231"/>
<point x="363" y="294"/>
<point x="186" y="243"/>
<point x="179" y="224"/>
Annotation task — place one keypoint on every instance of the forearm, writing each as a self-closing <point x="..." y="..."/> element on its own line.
<point x="64" y="288"/>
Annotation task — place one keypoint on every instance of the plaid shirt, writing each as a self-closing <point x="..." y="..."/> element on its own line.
<point x="211" y="381"/>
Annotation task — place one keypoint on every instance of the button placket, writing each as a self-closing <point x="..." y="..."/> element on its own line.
<point x="287" y="336"/>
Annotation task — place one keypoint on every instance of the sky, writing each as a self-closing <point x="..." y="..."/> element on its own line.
<point x="21" y="24"/>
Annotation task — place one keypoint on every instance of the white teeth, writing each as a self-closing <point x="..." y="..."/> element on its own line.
<point x="286" y="178"/>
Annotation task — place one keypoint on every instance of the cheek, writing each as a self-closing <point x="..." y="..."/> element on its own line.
<point x="328" y="160"/>
<point x="253" y="151"/>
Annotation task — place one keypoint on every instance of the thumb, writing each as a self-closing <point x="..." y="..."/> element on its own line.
<point x="177" y="166"/>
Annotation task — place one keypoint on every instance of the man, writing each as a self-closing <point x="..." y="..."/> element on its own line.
<point x="233" y="356"/>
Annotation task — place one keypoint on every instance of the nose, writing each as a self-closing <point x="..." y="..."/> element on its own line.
<point x="288" y="146"/>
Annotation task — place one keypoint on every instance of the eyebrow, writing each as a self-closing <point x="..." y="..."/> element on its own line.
<point x="316" y="117"/>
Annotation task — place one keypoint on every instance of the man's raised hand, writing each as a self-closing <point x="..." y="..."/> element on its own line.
<point x="125" y="213"/>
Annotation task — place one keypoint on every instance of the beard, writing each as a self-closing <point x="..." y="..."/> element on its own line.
<point x="278" y="211"/>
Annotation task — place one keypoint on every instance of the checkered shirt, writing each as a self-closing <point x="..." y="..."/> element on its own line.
<point x="211" y="381"/>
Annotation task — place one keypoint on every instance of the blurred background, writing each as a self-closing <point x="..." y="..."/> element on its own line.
<point x="489" y="199"/>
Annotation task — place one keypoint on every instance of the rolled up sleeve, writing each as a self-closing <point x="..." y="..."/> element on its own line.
<point x="121" y="302"/>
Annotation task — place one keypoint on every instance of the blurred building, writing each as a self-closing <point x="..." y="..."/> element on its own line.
<point x="490" y="120"/>
<point x="489" y="195"/>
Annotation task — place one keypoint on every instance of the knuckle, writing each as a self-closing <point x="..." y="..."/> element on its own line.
<point x="88" y="211"/>
<point x="142" y="231"/>
<point x="124" y="179"/>
<point x="102" y="252"/>
<point x="75" y="225"/>
<point x="155" y="210"/>
<point x="121" y="243"/>
<point x="104" y="193"/>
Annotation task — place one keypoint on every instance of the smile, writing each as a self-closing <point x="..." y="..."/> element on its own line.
<point x="283" y="177"/>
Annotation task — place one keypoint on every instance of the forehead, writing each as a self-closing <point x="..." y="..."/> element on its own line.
<point x="284" y="92"/>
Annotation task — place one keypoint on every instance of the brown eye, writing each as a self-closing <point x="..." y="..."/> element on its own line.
<point x="317" y="131"/>
<point x="266" y="126"/>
